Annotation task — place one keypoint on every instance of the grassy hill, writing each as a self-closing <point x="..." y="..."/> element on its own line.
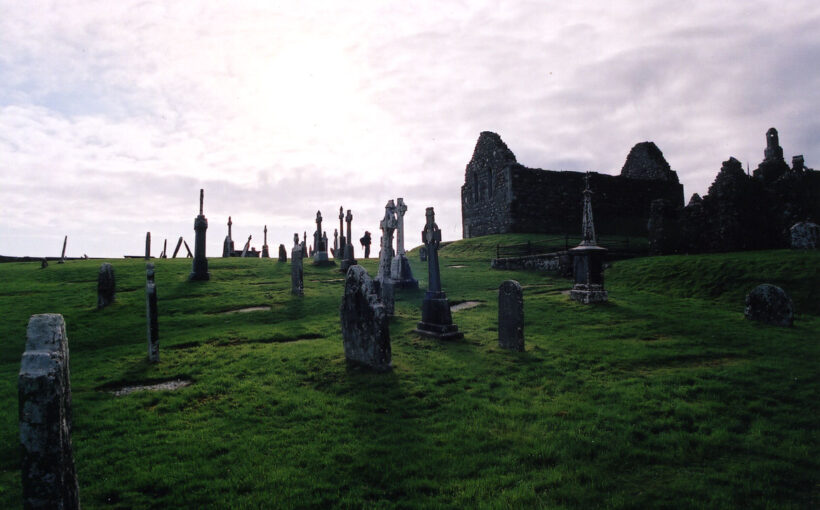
<point x="664" y="397"/>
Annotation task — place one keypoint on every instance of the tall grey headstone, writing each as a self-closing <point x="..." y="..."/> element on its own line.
<point x="388" y="225"/>
<point x="320" y="257"/>
<point x="200" y="263"/>
<point x="296" y="274"/>
<point x="106" y="286"/>
<point x="769" y="304"/>
<point x="283" y="253"/>
<point x="400" y="271"/>
<point x="511" y="316"/>
<point x="147" y="245"/>
<point x="176" y="250"/>
<point x="227" y="245"/>
<point x="151" y="314"/>
<point x="349" y="258"/>
<point x="436" y="318"/>
<point x="62" y="256"/>
<point x="265" y="251"/>
<point x="365" y="322"/>
<point x="44" y="402"/>
<point x="342" y="239"/>
<point x="588" y="259"/>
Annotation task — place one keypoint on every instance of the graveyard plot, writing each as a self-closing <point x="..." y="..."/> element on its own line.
<point x="664" y="395"/>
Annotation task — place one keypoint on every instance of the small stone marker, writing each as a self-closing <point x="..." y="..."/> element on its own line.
<point x="283" y="253"/>
<point x="176" y="250"/>
<point x="151" y="314"/>
<point x="296" y="275"/>
<point x="423" y="254"/>
<point x="44" y="392"/>
<point x="805" y="235"/>
<point x="511" y="316"/>
<point x="164" y="255"/>
<point x="769" y="304"/>
<point x="365" y="323"/>
<point x="43" y="263"/>
<point x="105" y="286"/>
<point x="62" y="256"/>
<point x="200" y="264"/>
<point x="387" y="293"/>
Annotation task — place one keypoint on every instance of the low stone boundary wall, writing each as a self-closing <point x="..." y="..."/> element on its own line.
<point x="559" y="262"/>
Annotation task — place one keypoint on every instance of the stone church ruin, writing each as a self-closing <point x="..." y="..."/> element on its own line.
<point x="500" y="195"/>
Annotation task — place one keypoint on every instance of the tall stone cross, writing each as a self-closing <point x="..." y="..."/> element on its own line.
<point x="387" y="225"/>
<point x="199" y="270"/>
<point x="349" y="220"/>
<point x="266" y="234"/>
<point x="431" y="237"/>
<point x="342" y="228"/>
<point x="201" y="200"/>
<point x="587" y="226"/>
<point x="400" y="210"/>
<point x="318" y="241"/>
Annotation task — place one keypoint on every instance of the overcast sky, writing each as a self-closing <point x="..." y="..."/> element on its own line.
<point x="114" y="114"/>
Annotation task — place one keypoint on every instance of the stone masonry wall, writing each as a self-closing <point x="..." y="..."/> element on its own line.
<point x="499" y="195"/>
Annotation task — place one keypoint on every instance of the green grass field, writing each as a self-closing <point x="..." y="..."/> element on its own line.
<point x="665" y="397"/>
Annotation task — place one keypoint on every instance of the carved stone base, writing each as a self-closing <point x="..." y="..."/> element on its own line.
<point x="265" y="252"/>
<point x="588" y="294"/>
<point x="436" y="319"/>
<point x="320" y="258"/>
<point x="402" y="274"/>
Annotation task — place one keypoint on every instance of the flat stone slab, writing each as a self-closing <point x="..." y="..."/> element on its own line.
<point x="162" y="386"/>
<point x="466" y="305"/>
<point x="457" y="266"/>
<point x="248" y="309"/>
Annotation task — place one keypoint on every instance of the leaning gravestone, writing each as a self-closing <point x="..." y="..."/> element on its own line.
<point x="296" y="274"/>
<point x="511" y="316"/>
<point x="44" y="392"/>
<point x="805" y="235"/>
<point x="769" y="304"/>
<point x="365" y="323"/>
<point x="105" y="286"/>
<point x="151" y="314"/>
<point x="283" y="254"/>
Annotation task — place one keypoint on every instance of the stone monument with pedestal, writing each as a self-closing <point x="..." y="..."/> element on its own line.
<point x="587" y="259"/>
<point x="296" y="270"/>
<point x="436" y="319"/>
<point x="340" y="255"/>
<point x="388" y="225"/>
<point x="320" y="257"/>
<point x="227" y="246"/>
<point x="200" y="266"/>
<point x="400" y="271"/>
<point x="349" y="259"/>
<point x="265" y="252"/>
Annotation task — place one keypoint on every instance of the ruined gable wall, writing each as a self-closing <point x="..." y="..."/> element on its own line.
<point x="550" y="201"/>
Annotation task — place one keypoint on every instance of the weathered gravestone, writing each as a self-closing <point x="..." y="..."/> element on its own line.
<point x="511" y="316"/>
<point x="320" y="256"/>
<point x="227" y="245"/>
<point x="365" y="323"/>
<point x="400" y="271"/>
<point x="151" y="314"/>
<point x="805" y="235"/>
<point x="44" y="393"/>
<point x="349" y="259"/>
<point x="283" y="254"/>
<point x="265" y="251"/>
<point x="176" y="250"/>
<point x="388" y="225"/>
<point x="436" y="318"/>
<point x="769" y="304"/>
<point x="200" y="263"/>
<point x="296" y="275"/>
<point x="147" y="245"/>
<point x="340" y="255"/>
<point x="587" y="259"/>
<point x="105" y="286"/>
<point x="43" y="263"/>
<point x="62" y="255"/>
<point x="423" y="254"/>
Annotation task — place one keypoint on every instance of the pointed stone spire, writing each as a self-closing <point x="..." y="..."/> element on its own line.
<point x="587" y="224"/>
